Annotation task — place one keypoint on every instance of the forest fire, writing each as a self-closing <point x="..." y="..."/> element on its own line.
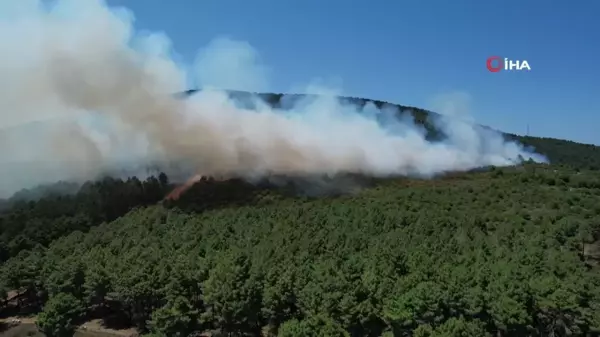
<point x="179" y="190"/>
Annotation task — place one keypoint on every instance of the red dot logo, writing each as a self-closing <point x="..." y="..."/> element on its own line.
<point x="490" y="64"/>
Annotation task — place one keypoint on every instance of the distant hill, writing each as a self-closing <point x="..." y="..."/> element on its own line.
<point x="558" y="151"/>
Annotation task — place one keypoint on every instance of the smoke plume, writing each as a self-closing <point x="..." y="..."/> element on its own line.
<point x="81" y="93"/>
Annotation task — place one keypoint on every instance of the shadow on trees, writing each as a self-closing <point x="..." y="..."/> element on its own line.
<point x="24" y="304"/>
<point x="214" y="194"/>
<point x="5" y="326"/>
<point x="112" y="314"/>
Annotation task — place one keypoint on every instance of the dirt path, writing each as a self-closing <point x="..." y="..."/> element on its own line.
<point x="94" y="328"/>
<point x="22" y="320"/>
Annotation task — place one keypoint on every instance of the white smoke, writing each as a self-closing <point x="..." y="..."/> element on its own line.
<point x="232" y="65"/>
<point x="82" y="93"/>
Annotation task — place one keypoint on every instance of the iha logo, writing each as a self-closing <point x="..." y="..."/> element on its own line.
<point x="497" y="63"/>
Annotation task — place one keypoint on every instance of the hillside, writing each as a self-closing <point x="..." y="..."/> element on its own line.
<point x="508" y="252"/>
<point x="558" y="151"/>
<point x="511" y="251"/>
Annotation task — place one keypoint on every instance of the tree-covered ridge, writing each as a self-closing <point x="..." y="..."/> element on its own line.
<point x="29" y="220"/>
<point x="564" y="152"/>
<point x="39" y="216"/>
<point x="503" y="252"/>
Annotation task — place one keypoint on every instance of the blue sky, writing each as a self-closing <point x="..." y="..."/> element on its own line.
<point x="408" y="52"/>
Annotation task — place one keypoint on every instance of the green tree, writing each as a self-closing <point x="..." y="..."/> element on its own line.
<point x="178" y="318"/>
<point x="58" y="316"/>
<point x="232" y="294"/>
<point x="311" y="327"/>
